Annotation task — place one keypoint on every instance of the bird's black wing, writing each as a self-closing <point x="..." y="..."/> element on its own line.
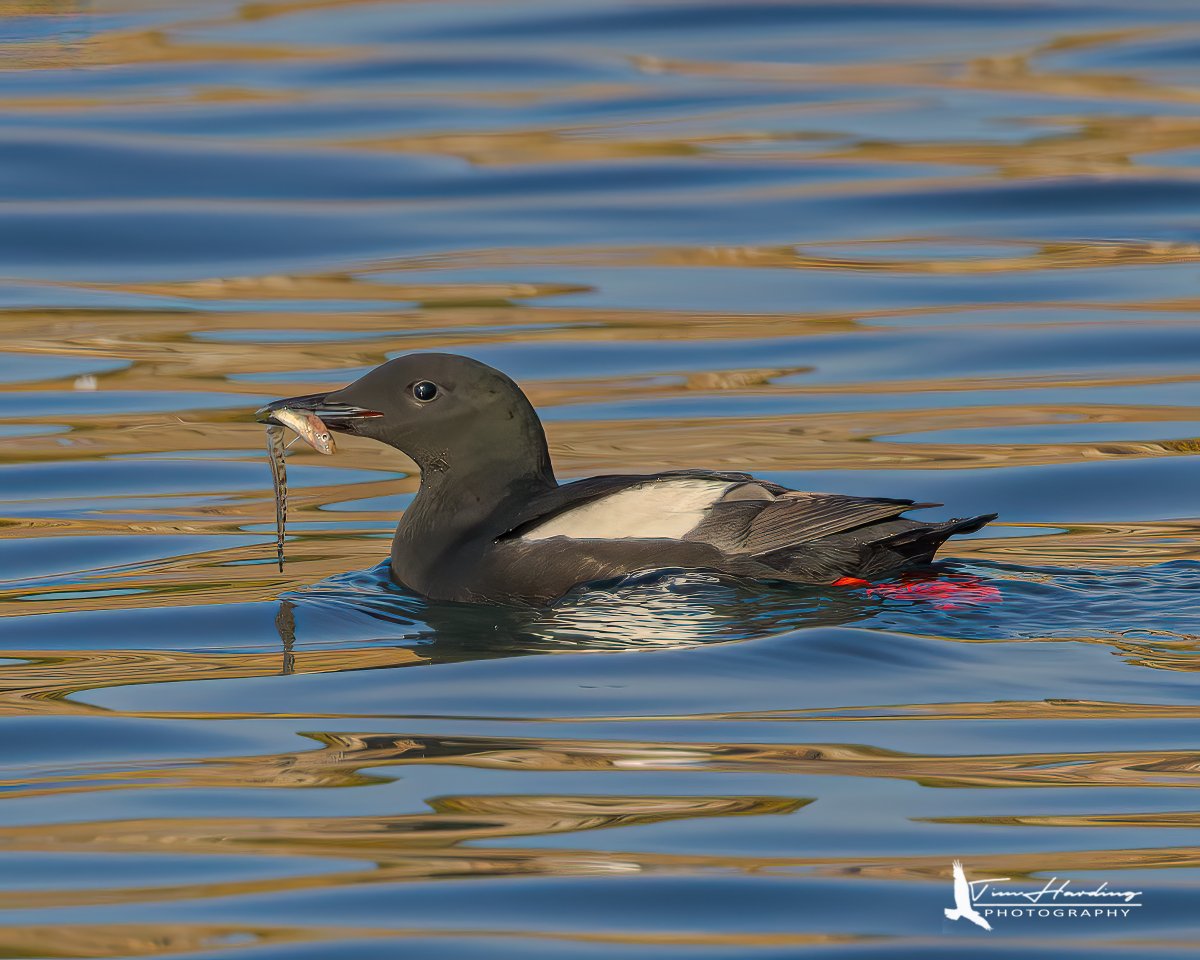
<point x="798" y="518"/>
<point x="787" y="520"/>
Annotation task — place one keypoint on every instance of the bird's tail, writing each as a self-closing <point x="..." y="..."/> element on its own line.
<point x="920" y="542"/>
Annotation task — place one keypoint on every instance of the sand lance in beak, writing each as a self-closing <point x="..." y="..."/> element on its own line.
<point x="312" y="430"/>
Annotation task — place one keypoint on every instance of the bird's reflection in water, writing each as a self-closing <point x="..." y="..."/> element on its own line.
<point x="655" y="611"/>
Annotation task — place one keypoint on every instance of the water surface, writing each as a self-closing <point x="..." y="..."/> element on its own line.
<point x="926" y="249"/>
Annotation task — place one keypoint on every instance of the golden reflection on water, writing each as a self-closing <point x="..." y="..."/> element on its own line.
<point x="402" y="848"/>
<point x="348" y="754"/>
<point x="128" y="940"/>
<point x="345" y="760"/>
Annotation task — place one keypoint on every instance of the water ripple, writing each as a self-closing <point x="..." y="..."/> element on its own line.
<point x="922" y="249"/>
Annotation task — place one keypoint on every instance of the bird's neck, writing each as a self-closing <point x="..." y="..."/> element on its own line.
<point x="461" y="500"/>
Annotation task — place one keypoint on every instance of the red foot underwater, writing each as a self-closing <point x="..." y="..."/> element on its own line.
<point x="950" y="594"/>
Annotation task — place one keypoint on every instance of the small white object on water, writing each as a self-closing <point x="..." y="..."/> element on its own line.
<point x="86" y="382"/>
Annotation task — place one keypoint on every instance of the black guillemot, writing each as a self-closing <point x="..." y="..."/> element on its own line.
<point x="490" y="523"/>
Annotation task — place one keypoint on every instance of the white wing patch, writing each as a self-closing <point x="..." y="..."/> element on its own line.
<point x="656" y="510"/>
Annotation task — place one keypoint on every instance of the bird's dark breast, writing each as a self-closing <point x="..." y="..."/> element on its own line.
<point x="538" y="572"/>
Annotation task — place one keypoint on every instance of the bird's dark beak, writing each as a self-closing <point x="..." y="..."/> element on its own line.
<point x="335" y="415"/>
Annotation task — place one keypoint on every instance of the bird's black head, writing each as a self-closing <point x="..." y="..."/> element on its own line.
<point x="446" y="412"/>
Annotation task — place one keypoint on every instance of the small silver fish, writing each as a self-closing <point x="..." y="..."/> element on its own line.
<point x="308" y="427"/>
<point x="312" y="430"/>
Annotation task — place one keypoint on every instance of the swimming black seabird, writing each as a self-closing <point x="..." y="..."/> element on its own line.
<point x="491" y="523"/>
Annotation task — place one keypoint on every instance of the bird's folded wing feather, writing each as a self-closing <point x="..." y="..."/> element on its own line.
<point x="741" y="515"/>
<point x="758" y="528"/>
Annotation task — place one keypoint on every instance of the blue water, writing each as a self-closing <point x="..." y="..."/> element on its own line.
<point x="930" y="250"/>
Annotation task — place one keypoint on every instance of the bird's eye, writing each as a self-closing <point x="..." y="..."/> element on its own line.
<point x="424" y="391"/>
